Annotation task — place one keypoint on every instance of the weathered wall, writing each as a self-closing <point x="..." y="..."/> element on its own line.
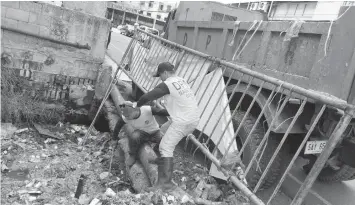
<point x="300" y="60"/>
<point x="96" y="8"/>
<point x="202" y="11"/>
<point x="45" y="61"/>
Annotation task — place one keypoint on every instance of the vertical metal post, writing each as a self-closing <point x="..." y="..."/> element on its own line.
<point x="124" y="16"/>
<point x="324" y="156"/>
<point x="268" y="14"/>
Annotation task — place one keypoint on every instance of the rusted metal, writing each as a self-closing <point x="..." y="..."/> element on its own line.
<point x="75" y="45"/>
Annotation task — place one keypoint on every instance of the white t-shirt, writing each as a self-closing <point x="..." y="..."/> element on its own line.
<point x="146" y="121"/>
<point x="181" y="103"/>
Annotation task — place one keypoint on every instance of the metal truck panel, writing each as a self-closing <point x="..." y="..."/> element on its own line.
<point x="313" y="60"/>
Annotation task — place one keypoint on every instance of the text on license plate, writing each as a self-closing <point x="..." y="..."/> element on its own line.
<point x="315" y="147"/>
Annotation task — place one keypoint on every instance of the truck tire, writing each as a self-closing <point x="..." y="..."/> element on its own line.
<point x="254" y="174"/>
<point x="345" y="173"/>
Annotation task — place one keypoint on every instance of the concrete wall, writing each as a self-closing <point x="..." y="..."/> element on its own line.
<point x="43" y="61"/>
<point x="202" y="11"/>
<point x="96" y="8"/>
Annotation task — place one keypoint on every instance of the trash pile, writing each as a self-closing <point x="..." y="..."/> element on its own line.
<point x="45" y="164"/>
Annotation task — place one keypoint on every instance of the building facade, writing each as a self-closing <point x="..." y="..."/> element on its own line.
<point x="157" y="9"/>
<point x="297" y="10"/>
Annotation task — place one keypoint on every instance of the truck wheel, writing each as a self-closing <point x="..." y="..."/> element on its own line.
<point x="256" y="137"/>
<point x="345" y="173"/>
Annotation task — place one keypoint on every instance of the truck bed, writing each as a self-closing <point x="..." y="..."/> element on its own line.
<point x="320" y="58"/>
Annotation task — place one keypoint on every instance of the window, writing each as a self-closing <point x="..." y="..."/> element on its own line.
<point x="168" y="8"/>
<point x="142" y="3"/>
<point x="158" y="17"/>
<point x="149" y="14"/>
<point x="151" y="4"/>
<point x="140" y="12"/>
<point x="161" y="7"/>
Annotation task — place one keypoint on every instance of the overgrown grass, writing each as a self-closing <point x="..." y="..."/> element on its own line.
<point x="21" y="103"/>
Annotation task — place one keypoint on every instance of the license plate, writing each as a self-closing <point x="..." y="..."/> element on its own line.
<point x="315" y="147"/>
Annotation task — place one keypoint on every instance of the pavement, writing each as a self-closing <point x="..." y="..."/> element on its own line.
<point x="342" y="193"/>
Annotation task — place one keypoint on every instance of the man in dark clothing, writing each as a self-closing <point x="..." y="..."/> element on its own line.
<point x="141" y="126"/>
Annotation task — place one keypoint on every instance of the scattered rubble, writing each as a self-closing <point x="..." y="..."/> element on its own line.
<point x="40" y="169"/>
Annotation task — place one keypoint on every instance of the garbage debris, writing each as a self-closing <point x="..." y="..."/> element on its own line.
<point x="46" y="132"/>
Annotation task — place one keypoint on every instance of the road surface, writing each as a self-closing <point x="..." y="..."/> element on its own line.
<point x="118" y="45"/>
<point x="342" y="193"/>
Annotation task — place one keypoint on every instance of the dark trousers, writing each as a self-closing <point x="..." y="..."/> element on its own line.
<point x="136" y="138"/>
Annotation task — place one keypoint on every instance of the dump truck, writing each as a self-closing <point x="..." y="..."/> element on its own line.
<point x="268" y="92"/>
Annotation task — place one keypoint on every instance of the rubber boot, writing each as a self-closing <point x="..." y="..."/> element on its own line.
<point x="165" y="175"/>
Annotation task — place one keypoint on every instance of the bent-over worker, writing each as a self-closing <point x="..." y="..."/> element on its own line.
<point x="141" y="127"/>
<point x="181" y="104"/>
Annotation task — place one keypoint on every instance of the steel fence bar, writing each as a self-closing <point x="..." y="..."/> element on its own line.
<point x="187" y="69"/>
<point x="236" y="182"/>
<point x="136" y="59"/>
<point x="243" y="119"/>
<point x="266" y="136"/>
<point x="148" y="54"/>
<point x="295" y="118"/>
<point x="151" y="57"/>
<point x="204" y="75"/>
<point x="167" y="49"/>
<point x="204" y="92"/>
<point x="224" y="109"/>
<point x="214" y="107"/>
<point x="297" y="153"/>
<point x="324" y="156"/>
<point x="181" y="70"/>
<point x="256" y="123"/>
<point x="234" y="112"/>
<point x="334" y="101"/>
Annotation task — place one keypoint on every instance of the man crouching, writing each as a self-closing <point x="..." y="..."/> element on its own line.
<point x="141" y="127"/>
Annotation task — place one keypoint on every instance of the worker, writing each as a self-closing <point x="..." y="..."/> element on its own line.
<point x="181" y="104"/>
<point x="141" y="127"/>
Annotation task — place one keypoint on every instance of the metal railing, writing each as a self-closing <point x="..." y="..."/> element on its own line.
<point x="222" y="89"/>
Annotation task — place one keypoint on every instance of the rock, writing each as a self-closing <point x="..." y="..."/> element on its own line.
<point x="104" y="175"/>
<point x="171" y="198"/>
<point x="22" y="191"/>
<point x="214" y="193"/>
<point x="84" y="199"/>
<point x="96" y="154"/>
<point x="21" y="130"/>
<point x="185" y="199"/>
<point x="4" y="168"/>
<point x="95" y="201"/>
<point x="31" y="183"/>
<point x="32" y="198"/>
<point x="7" y="129"/>
<point x="110" y="192"/>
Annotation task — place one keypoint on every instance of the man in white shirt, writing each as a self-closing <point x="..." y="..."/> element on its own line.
<point x="141" y="126"/>
<point x="181" y="104"/>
